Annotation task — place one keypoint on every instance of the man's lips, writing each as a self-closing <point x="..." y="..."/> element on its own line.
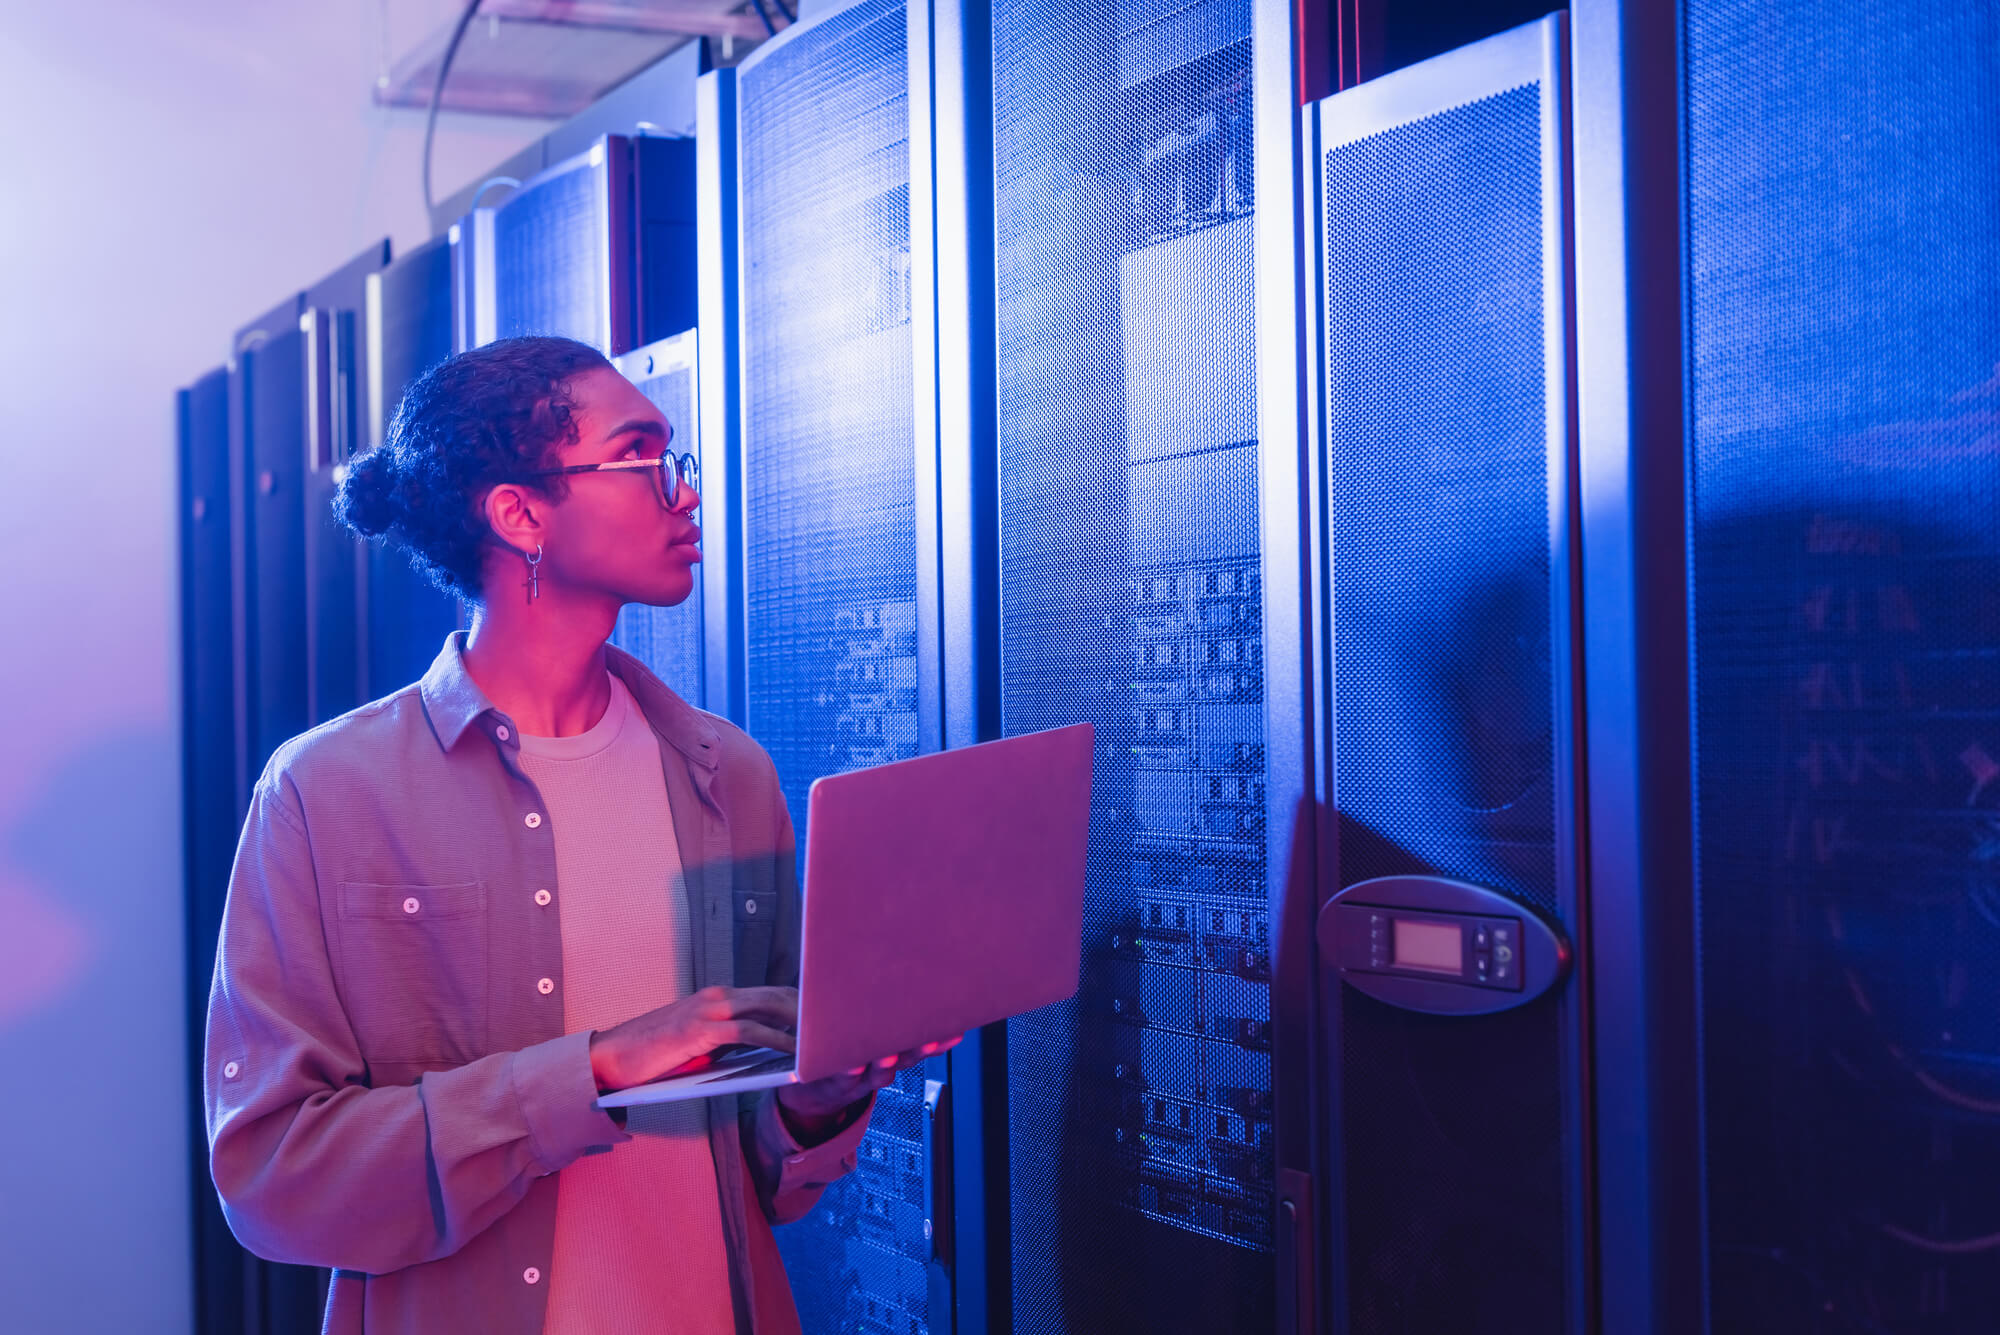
<point x="691" y="538"/>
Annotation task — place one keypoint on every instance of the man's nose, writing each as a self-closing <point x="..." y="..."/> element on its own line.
<point x="687" y="502"/>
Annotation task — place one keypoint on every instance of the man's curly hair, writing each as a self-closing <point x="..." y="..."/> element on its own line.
<point x="473" y="421"/>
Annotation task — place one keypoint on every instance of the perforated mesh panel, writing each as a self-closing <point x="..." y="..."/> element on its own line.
<point x="1438" y="472"/>
<point x="548" y="259"/>
<point x="830" y="532"/>
<point x="1139" y="1115"/>
<point x="669" y="639"/>
<point x="1438" y="481"/>
<point x="1844" y="240"/>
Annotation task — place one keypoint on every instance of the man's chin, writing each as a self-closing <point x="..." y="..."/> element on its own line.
<point x="672" y="596"/>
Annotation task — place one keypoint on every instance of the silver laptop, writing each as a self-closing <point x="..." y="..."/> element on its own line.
<point x="941" y="894"/>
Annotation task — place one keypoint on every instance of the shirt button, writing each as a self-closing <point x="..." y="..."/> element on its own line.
<point x="532" y="1275"/>
<point x="230" y="1070"/>
<point x="410" y="905"/>
<point x="534" y="820"/>
<point x="546" y="986"/>
<point x="502" y="733"/>
<point x="542" y="897"/>
<point x="750" y="907"/>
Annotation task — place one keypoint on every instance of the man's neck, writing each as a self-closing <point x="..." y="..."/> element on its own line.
<point x="542" y="664"/>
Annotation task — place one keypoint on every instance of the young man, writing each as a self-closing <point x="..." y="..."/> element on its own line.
<point x="461" y="912"/>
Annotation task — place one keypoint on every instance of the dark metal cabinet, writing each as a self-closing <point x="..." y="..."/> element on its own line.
<point x="837" y="635"/>
<point x="1452" y="1144"/>
<point x="1137" y="1118"/>
<point x="599" y="248"/>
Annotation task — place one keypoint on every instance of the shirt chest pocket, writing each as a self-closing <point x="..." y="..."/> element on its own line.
<point x="412" y="961"/>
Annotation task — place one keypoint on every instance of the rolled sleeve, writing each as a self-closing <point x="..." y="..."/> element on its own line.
<point x="558" y="1097"/>
<point x="791" y="1176"/>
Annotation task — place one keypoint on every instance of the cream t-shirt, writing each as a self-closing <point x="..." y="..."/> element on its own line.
<point x="639" y="1242"/>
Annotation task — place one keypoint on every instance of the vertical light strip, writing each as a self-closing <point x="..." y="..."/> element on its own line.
<point x="371" y="302"/>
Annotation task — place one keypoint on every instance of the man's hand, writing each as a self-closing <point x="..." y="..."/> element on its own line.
<point x="648" y="1046"/>
<point x="815" y="1110"/>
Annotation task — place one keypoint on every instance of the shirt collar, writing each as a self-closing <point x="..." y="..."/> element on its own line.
<point x="454" y="702"/>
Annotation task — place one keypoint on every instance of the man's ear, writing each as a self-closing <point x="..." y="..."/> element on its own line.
<point x="514" y="513"/>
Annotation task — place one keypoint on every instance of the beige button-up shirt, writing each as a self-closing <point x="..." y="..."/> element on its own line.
<point x="389" y="1090"/>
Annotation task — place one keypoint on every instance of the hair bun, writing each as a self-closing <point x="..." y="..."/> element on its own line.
<point x="367" y="499"/>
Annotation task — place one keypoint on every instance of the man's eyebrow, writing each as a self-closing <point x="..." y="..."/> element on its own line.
<point x="643" y="425"/>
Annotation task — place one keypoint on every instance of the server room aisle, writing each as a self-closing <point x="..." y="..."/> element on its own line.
<point x="1511" y="485"/>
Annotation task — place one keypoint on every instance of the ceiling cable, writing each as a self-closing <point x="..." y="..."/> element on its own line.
<point x="437" y="94"/>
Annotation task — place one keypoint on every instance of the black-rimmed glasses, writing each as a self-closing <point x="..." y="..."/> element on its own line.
<point x="684" y="473"/>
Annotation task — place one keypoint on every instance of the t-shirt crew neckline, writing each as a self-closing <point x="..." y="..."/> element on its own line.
<point x="597" y="739"/>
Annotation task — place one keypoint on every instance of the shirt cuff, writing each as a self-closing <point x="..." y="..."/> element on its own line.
<point x="825" y="1160"/>
<point x="557" y="1094"/>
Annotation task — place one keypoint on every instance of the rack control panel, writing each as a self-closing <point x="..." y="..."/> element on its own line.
<point x="1429" y="943"/>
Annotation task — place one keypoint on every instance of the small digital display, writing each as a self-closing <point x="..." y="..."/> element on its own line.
<point x="1435" y="947"/>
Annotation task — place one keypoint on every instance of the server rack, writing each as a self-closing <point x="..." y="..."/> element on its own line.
<point x="269" y="571"/>
<point x="211" y="818"/>
<point x="599" y="248"/>
<point x="292" y="654"/>
<point x="1789" y="458"/>
<point x="408" y="318"/>
<point x="292" y="566"/>
<point x="245" y="346"/>
<point x="335" y="389"/>
<point x="1454" y="1192"/>
<point x="333" y="372"/>
<point x="672" y="641"/>
<point x="1129" y="562"/>
<point x="837" y="508"/>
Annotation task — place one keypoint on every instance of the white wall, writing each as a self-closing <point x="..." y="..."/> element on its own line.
<point x="167" y="173"/>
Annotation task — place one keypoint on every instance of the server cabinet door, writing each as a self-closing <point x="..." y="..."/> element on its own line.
<point x="333" y="650"/>
<point x="829" y="515"/>
<point x="208" y="778"/>
<point x="1455" y="1142"/>
<point x="562" y="251"/>
<point x="1138" y="1115"/>
<point x="273" y="572"/>
<point x="267" y="560"/>
<point x="208" y="676"/>
<point x="670" y="640"/>
<point x="408" y="317"/>
<point x="1843" y="246"/>
<point x="599" y="248"/>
